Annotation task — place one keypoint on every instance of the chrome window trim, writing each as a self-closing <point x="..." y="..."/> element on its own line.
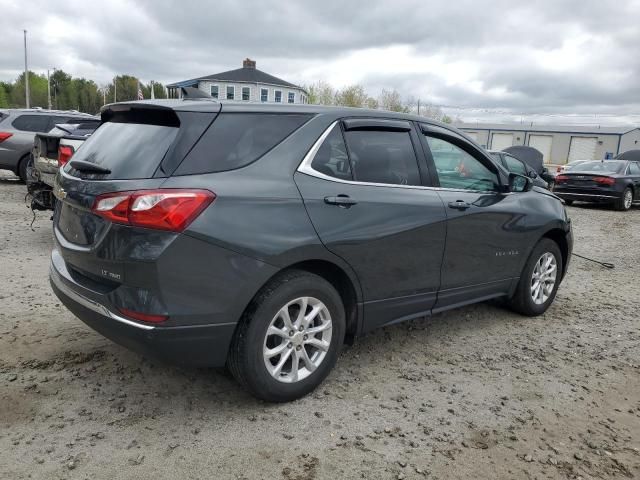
<point x="305" y="167"/>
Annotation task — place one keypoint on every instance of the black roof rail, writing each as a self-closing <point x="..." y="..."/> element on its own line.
<point x="191" y="93"/>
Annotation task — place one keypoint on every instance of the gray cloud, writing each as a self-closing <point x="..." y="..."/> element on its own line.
<point x="552" y="56"/>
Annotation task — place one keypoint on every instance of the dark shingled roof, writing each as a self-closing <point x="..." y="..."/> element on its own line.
<point x="247" y="75"/>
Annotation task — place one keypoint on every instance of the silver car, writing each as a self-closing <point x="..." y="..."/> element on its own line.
<point x="17" y="131"/>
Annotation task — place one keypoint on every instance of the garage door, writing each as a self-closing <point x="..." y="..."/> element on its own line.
<point x="500" y="141"/>
<point x="582" y="148"/>
<point x="542" y="143"/>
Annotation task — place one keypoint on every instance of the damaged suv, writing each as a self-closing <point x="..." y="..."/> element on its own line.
<point x="262" y="237"/>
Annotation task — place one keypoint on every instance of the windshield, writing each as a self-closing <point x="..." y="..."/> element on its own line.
<point x="609" y="166"/>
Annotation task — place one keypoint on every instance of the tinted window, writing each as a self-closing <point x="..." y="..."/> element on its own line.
<point x="332" y="159"/>
<point x="129" y="150"/>
<point x="382" y="157"/>
<point x="237" y="139"/>
<point x="514" y="165"/>
<point x="634" y="169"/>
<point x="458" y="169"/>
<point x="31" y="123"/>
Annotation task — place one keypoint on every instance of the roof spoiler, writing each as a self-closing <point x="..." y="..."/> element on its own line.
<point x="191" y="93"/>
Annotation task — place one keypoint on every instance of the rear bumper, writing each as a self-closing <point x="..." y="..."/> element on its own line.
<point x="198" y="345"/>
<point x="604" y="197"/>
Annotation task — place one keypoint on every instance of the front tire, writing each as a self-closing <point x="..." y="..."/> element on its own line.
<point x="539" y="280"/>
<point x="22" y="168"/>
<point x="289" y="338"/>
<point x="624" y="202"/>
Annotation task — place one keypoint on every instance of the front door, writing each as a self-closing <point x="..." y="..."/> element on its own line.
<point x="484" y="227"/>
<point x="362" y="189"/>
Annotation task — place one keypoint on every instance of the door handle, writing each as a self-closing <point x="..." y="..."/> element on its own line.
<point x="459" y="205"/>
<point x="344" y="201"/>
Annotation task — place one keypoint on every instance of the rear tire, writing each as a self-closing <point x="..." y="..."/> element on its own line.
<point x="252" y="360"/>
<point x="624" y="203"/>
<point x="528" y="300"/>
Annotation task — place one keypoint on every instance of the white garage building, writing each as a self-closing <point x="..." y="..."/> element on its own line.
<point x="558" y="144"/>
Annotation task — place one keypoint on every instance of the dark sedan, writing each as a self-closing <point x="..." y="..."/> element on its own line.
<point x="605" y="181"/>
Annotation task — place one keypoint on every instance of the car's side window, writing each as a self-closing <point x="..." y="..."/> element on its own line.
<point x="379" y="156"/>
<point x="31" y="123"/>
<point x="459" y="169"/>
<point x="331" y="158"/>
<point x="514" y="165"/>
<point x="634" y="168"/>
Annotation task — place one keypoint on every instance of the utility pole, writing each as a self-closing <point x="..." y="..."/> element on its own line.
<point x="115" y="89"/>
<point x="48" y="89"/>
<point x="26" y="72"/>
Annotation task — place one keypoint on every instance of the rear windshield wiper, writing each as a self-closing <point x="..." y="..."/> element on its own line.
<point x="88" y="167"/>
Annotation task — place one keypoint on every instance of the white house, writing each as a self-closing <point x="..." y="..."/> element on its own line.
<point x="244" y="84"/>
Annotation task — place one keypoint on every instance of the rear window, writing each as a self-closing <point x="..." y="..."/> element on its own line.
<point x="129" y="150"/>
<point x="609" y="166"/>
<point x="235" y="140"/>
<point x="31" y="123"/>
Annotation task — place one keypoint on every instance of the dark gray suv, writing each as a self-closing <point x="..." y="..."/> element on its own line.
<point x="262" y="237"/>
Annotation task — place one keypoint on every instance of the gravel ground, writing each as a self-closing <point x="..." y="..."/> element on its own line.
<point x="475" y="393"/>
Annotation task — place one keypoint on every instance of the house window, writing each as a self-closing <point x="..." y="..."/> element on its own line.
<point x="291" y="98"/>
<point x="214" y="91"/>
<point x="246" y="94"/>
<point x="264" y="95"/>
<point x="231" y="92"/>
<point x="277" y="96"/>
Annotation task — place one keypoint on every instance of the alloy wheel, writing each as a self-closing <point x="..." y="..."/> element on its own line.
<point x="628" y="199"/>
<point x="297" y="339"/>
<point x="543" y="279"/>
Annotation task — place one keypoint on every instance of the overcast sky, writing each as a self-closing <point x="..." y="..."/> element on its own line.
<point x="575" y="57"/>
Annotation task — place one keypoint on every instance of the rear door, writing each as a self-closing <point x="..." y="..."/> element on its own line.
<point x="484" y="227"/>
<point x="364" y="192"/>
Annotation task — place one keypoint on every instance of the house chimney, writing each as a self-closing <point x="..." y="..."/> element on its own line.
<point x="248" y="63"/>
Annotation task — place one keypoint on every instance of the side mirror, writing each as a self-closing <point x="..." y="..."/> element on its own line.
<point x="519" y="183"/>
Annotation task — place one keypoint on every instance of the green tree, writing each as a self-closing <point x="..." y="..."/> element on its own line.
<point x="37" y="91"/>
<point x="4" y="101"/>
<point x="391" y="100"/>
<point x="352" y="96"/>
<point x="321" y="93"/>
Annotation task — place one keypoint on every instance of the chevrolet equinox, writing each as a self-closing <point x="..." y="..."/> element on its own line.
<point x="263" y="237"/>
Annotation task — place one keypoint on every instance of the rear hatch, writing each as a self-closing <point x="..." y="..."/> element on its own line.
<point x="136" y="148"/>
<point x="46" y="145"/>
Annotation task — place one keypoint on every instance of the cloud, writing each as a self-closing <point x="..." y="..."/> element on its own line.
<point x="552" y="56"/>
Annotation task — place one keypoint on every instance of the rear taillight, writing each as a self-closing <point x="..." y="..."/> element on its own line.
<point x="145" y="317"/>
<point x="605" y="180"/>
<point x="164" y="209"/>
<point x="561" y="178"/>
<point x="4" y="136"/>
<point x="65" y="152"/>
